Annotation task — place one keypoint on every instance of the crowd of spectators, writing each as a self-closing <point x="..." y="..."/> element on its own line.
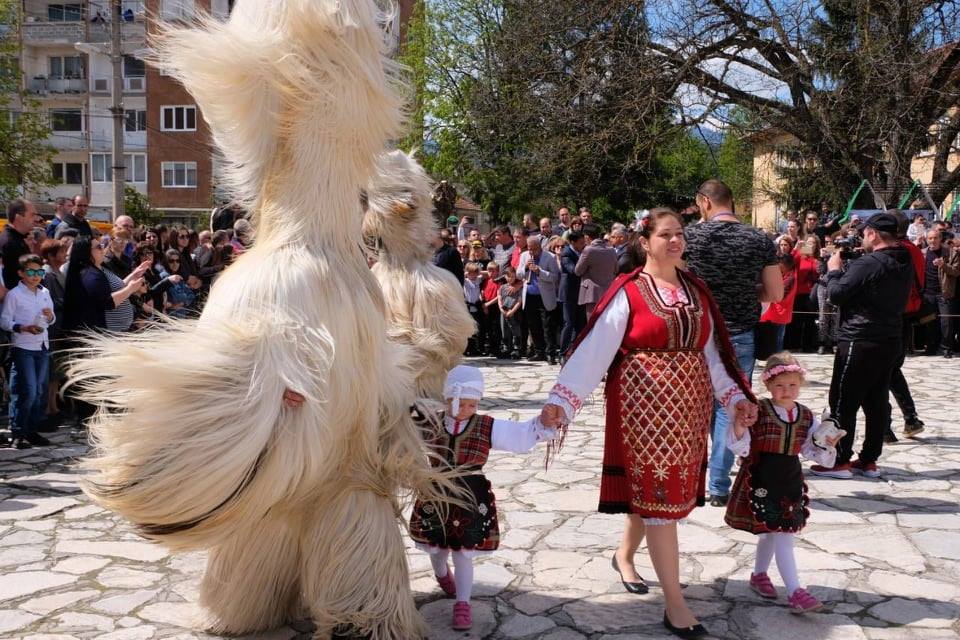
<point x="560" y="267"/>
<point x="530" y="288"/>
<point x="806" y="321"/>
<point x="119" y="281"/>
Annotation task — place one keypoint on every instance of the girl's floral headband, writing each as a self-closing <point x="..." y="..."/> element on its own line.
<point x="773" y="372"/>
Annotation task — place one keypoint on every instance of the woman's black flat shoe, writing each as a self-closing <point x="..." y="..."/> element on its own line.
<point x="639" y="588"/>
<point x="696" y="631"/>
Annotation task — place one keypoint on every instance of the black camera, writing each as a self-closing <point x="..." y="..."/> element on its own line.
<point x="849" y="248"/>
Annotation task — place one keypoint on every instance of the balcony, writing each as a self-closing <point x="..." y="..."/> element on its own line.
<point x="45" y="86"/>
<point x="37" y="32"/>
<point x="68" y="140"/>
<point x="134" y="34"/>
<point x="91" y="23"/>
<point x="131" y="85"/>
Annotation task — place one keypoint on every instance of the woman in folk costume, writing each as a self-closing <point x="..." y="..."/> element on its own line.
<point x="769" y="497"/>
<point x="660" y="340"/>
<point x="296" y="505"/>
<point x="425" y="302"/>
<point x="469" y="527"/>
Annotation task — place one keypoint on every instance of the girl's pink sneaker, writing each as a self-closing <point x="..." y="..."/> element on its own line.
<point x="760" y="583"/>
<point x="801" y="601"/>
<point x="447" y="584"/>
<point x="462" y="619"/>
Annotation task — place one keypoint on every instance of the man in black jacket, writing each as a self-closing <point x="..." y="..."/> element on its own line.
<point x="21" y="217"/>
<point x="872" y="295"/>
<point x="446" y="257"/>
<point x="76" y="219"/>
<point x="574" y="314"/>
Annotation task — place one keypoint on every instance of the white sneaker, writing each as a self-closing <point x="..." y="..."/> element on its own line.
<point x="840" y="471"/>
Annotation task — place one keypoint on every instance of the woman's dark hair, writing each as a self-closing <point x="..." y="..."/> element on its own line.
<point x="635" y="255"/>
<point x="81" y="257"/>
<point x="143" y="251"/>
<point x="194" y="241"/>
<point x="219" y="237"/>
<point x="171" y="253"/>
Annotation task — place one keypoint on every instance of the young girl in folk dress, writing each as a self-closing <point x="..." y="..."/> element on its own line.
<point x="471" y="529"/>
<point x="769" y="497"/>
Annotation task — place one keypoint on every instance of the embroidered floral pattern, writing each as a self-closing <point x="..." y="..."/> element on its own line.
<point x="563" y="392"/>
<point x="728" y="396"/>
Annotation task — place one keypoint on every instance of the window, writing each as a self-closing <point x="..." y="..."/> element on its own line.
<point x="179" y="174"/>
<point x="176" y="9"/>
<point x="137" y="167"/>
<point x="66" y="120"/>
<point x="133" y="67"/>
<point x="178" y="118"/>
<point x="101" y="167"/>
<point x="67" y="172"/>
<point x="135" y="121"/>
<point x="64" y="12"/>
<point x="66" y="67"/>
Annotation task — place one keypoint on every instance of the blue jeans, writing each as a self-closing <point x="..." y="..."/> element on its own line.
<point x="781" y="333"/>
<point x="28" y="390"/>
<point x="721" y="458"/>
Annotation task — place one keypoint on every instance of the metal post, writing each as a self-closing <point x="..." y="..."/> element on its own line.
<point x="116" y="56"/>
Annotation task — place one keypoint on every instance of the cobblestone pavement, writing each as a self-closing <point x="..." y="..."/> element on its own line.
<point x="884" y="552"/>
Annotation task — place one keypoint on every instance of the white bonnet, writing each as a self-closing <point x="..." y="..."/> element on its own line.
<point x="463" y="382"/>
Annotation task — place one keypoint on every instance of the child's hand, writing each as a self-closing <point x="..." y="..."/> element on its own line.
<point x="551" y="415"/>
<point x="739" y="430"/>
<point x="48" y="314"/>
<point x="745" y="415"/>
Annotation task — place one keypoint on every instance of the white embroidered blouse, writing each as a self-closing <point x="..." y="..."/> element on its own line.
<point x="508" y="435"/>
<point x="583" y="371"/>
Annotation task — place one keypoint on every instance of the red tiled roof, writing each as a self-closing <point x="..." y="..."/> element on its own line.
<point x="465" y="204"/>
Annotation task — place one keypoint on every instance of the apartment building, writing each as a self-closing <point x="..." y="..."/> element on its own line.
<point x="67" y="70"/>
<point x="167" y="146"/>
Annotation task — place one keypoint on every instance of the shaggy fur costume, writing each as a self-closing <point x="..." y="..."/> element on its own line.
<point x="425" y="302"/>
<point x="298" y="507"/>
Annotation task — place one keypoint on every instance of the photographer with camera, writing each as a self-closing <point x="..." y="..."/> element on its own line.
<point x="872" y="294"/>
<point x="942" y="266"/>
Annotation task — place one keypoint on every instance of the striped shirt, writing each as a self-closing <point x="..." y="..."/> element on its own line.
<point x="121" y="318"/>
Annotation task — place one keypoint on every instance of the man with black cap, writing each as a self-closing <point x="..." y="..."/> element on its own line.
<point x="872" y="295"/>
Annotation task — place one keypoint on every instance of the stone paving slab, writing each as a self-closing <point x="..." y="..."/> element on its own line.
<point x="884" y="552"/>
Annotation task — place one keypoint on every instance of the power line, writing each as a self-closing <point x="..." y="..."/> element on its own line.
<point x="173" y="135"/>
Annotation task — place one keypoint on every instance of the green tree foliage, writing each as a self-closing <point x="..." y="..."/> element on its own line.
<point x="137" y="206"/>
<point x="534" y="104"/>
<point x="24" y="152"/>
<point x="735" y="160"/>
<point x="860" y="84"/>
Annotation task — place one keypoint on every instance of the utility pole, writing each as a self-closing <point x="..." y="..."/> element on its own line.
<point x="116" y="56"/>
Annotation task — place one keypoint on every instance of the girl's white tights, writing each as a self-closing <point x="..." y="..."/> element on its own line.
<point x="781" y="545"/>
<point x="462" y="571"/>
